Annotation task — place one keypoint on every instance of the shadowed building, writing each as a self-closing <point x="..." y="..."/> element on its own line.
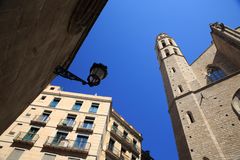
<point x="64" y="125"/>
<point x="146" y="155"/>
<point x="35" y="37"/>
<point x="203" y="97"/>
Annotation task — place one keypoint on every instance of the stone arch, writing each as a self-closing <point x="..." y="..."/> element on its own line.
<point x="163" y="43"/>
<point x="167" y="52"/>
<point x="175" y="50"/>
<point x="170" y="42"/>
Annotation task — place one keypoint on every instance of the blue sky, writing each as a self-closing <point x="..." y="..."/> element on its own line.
<point x="123" y="38"/>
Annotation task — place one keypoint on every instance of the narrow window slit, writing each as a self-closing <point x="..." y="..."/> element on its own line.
<point x="173" y="69"/>
<point x="180" y="88"/>
<point x="190" y="117"/>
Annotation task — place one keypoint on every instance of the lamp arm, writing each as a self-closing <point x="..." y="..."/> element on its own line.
<point x="59" y="70"/>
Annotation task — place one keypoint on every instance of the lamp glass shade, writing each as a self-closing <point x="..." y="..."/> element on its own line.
<point x="97" y="73"/>
<point x="99" y="70"/>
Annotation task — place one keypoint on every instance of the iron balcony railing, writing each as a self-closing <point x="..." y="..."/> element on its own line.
<point x="120" y="134"/>
<point x="70" y="145"/>
<point x="113" y="151"/>
<point x="85" y="127"/>
<point x="67" y="124"/>
<point x="130" y="143"/>
<point x="40" y="120"/>
<point x="26" y="137"/>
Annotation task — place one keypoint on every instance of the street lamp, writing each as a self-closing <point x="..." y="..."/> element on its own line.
<point x="98" y="72"/>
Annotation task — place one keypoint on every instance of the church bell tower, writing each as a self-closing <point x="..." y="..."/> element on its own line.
<point x="193" y="135"/>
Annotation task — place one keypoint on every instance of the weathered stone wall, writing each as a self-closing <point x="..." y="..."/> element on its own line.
<point x="35" y="37"/>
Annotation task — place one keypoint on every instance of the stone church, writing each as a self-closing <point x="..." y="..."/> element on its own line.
<point x="204" y="97"/>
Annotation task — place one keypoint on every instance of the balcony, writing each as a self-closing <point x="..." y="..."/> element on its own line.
<point x="26" y="139"/>
<point x="66" y="124"/>
<point x="66" y="147"/>
<point x="85" y="128"/>
<point x="125" y="140"/>
<point x="40" y="120"/>
<point x="112" y="152"/>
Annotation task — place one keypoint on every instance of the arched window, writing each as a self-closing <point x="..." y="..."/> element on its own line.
<point x="175" y="50"/>
<point x="167" y="52"/>
<point x="163" y="43"/>
<point x="236" y="103"/>
<point x="170" y="41"/>
<point x="214" y="74"/>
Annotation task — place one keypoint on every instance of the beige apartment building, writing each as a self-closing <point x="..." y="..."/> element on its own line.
<point x="204" y="97"/>
<point x="60" y="125"/>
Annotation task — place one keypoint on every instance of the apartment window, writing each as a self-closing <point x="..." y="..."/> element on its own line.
<point x="190" y="117"/>
<point x="44" y="116"/>
<point x="163" y="43"/>
<point x="134" y="143"/>
<point x="180" y="88"/>
<point x="30" y="134"/>
<point x="59" y="138"/>
<point x="111" y="145"/>
<point x="94" y="108"/>
<point x="167" y="52"/>
<point x="77" y="105"/>
<point x="70" y="120"/>
<point x="47" y="156"/>
<point x="133" y="157"/>
<point x="236" y="103"/>
<point x="15" y="154"/>
<point x="123" y="150"/>
<point x="125" y="134"/>
<point x="54" y="102"/>
<point x="43" y="97"/>
<point x="88" y="122"/>
<point x="81" y="142"/>
<point x="115" y="126"/>
<point x="214" y="74"/>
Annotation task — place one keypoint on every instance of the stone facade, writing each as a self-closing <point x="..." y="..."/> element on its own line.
<point x="64" y="125"/>
<point x="35" y="37"/>
<point x="201" y="95"/>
